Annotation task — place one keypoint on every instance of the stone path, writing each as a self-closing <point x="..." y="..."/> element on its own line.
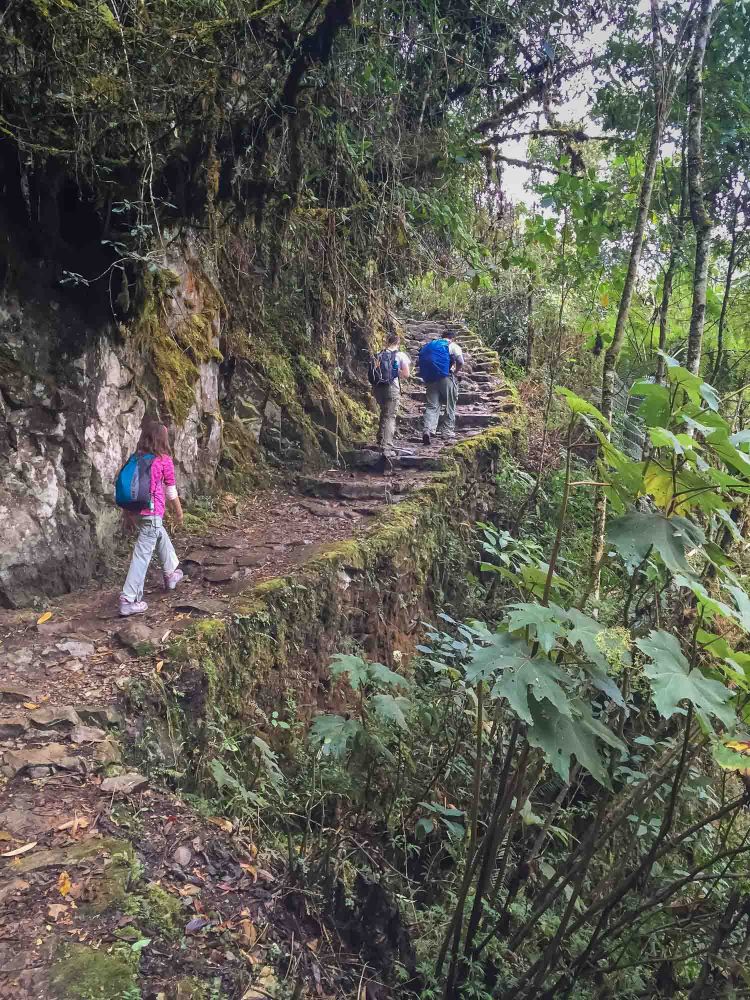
<point x="64" y="665"/>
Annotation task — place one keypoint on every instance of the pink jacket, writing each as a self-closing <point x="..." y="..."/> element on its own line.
<point x="163" y="486"/>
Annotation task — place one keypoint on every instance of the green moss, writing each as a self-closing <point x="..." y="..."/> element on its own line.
<point x="161" y="913"/>
<point x="210" y="627"/>
<point x="86" y="973"/>
<point x="176" y="349"/>
<point x="110" y="890"/>
<point x="270" y="586"/>
<point x="191" y="988"/>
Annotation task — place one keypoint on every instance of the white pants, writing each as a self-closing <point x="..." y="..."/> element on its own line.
<point x="151" y="535"/>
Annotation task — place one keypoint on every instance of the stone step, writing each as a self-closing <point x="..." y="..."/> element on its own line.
<point x="466" y="396"/>
<point x="372" y="460"/>
<point x="420" y="463"/>
<point x="346" y="489"/>
<point x="462" y="420"/>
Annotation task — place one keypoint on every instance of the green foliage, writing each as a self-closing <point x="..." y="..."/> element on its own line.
<point x="674" y="682"/>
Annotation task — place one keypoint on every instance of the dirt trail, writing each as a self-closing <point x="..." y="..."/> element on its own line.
<point x="61" y="682"/>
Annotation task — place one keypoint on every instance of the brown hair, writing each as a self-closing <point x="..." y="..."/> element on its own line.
<point x="154" y="439"/>
<point x="392" y="338"/>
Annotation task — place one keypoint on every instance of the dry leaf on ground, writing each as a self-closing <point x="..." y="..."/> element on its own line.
<point x="19" y="850"/>
<point x="64" y="883"/>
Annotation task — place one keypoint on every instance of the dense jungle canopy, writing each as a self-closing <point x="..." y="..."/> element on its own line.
<point x="550" y="799"/>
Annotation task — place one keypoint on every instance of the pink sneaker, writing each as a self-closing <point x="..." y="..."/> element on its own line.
<point x="132" y="607"/>
<point x="172" y="579"/>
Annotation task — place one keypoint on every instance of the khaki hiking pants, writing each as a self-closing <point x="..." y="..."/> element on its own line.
<point x="444" y="392"/>
<point x="388" y="397"/>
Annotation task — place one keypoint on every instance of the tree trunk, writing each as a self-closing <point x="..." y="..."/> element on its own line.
<point x="666" y="77"/>
<point x="674" y="256"/>
<point x="613" y="351"/>
<point x="530" y="323"/>
<point x="698" y="214"/>
<point x="731" y="263"/>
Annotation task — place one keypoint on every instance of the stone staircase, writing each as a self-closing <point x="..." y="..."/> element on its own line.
<point x="485" y="400"/>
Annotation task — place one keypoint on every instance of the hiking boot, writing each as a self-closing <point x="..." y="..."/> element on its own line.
<point x="131" y="607"/>
<point x="172" y="579"/>
<point x="426" y="438"/>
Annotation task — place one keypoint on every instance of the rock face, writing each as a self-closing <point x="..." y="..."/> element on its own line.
<point x="74" y="390"/>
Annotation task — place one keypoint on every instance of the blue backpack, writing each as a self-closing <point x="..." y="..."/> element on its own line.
<point x="133" y="483"/>
<point x="434" y="360"/>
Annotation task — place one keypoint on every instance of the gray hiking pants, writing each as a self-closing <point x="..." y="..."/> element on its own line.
<point x="388" y="397"/>
<point x="151" y="535"/>
<point x="444" y="392"/>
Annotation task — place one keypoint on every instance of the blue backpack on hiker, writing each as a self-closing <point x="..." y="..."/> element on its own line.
<point x="383" y="368"/>
<point x="133" y="483"/>
<point x="434" y="360"/>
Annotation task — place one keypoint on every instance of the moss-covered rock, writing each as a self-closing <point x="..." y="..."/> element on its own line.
<point x="158" y="912"/>
<point x="83" y="972"/>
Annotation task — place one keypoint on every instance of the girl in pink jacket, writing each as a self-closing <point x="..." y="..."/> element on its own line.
<point x="152" y="534"/>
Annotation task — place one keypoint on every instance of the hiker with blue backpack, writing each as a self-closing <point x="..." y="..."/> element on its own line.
<point x="144" y="487"/>
<point x="385" y="373"/>
<point x="440" y="361"/>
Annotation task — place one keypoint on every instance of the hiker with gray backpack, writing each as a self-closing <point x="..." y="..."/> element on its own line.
<point x="385" y="372"/>
<point x="440" y="361"/>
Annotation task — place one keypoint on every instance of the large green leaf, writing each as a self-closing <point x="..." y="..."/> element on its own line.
<point x="662" y="437"/>
<point x="334" y="733"/>
<point x="547" y="622"/>
<point x="654" y="410"/>
<point x="354" y="667"/>
<point x="673" y="682"/>
<point x="635" y="534"/>
<point x="542" y="676"/>
<point x="581" y="406"/>
<point x="694" y="387"/>
<point x="391" y="709"/>
<point x="742" y="602"/>
<point x="504" y="651"/>
<point x="381" y="674"/>
<point x="708" y="603"/>
<point x="561" y="736"/>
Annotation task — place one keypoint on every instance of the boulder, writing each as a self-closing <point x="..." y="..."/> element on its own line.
<point x="124" y="784"/>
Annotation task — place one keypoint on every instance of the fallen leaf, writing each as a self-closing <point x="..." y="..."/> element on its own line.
<point x="190" y="890"/>
<point x="19" y="850"/>
<point x="44" y="618"/>
<point x="56" y="910"/>
<point x="79" y="823"/>
<point x="251" y="870"/>
<point x="159" y="665"/>
<point x="31" y="705"/>
<point x="4" y="835"/>
<point x="140" y="944"/>
<point x="248" y="933"/>
<point x="64" y="883"/>
<point x="196" y="924"/>
<point x="223" y="824"/>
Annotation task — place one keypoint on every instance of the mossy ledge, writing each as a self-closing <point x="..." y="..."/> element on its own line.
<point x="370" y="593"/>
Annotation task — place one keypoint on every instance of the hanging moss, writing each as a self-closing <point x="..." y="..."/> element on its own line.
<point x="176" y="349"/>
